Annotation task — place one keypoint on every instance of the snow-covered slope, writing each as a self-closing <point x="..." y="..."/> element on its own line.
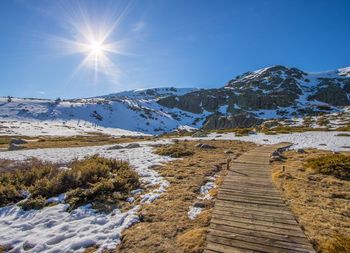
<point x="273" y="92"/>
<point x="136" y="111"/>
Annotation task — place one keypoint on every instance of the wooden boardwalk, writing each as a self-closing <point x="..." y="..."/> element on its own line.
<point x="249" y="213"/>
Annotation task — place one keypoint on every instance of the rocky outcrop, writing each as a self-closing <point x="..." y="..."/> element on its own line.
<point x="332" y="94"/>
<point x="242" y="120"/>
<point x="198" y="101"/>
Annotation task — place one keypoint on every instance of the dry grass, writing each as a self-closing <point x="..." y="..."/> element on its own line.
<point x="165" y="226"/>
<point x="65" y="142"/>
<point x="337" y="165"/>
<point x="338" y="243"/>
<point x="321" y="203"/>
<point x="175" y="150"/>
<point x="100" y="181"/>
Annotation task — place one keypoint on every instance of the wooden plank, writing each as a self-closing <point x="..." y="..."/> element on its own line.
<point x="251" y="245"/>
<point x="248" y="193"/>
<point x="266" y="212"/>
<point x="258" y="227"/>
<point x="235" y="196"/>
<point x="261" y="240"/>
<point x="259" y="234"/>
<point x="217" y="247"/>
<point x="257" y="216"/>
<point x="274" y="224"/>
<point x="249" y="214"/>
<point x="259" y="201"/>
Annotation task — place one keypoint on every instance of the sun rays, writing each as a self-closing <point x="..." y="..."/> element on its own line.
<point x="91" y="35"/>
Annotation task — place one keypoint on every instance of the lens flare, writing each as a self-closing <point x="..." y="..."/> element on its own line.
<point x="92" y="36"/>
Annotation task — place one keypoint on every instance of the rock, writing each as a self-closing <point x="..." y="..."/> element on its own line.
<point x="205" y="146"/>
<point x="199" y="204"/>
<point x="300" y="151"/>
<point x="200" y="134"/>
<point x="276" y="158"/>
<point x="331" y="93"/>
<point x="276" y="153"/>
<point x="313" y="178"/>
<point x="18" y="141"/>
<point x="13" y="147"/>
<point x="241" y="120"/>
<point x="133" y="145"/>
<point x="216" y="168"/>
<point x="156" y="145"/>
<point x="227" y="152"/>
<point x="270" y="123"/>
<point x="115" y="147"/>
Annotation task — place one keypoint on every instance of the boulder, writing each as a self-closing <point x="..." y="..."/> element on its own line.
<point x="199" y="204"/>
<point x="241" y="120"/>
<point x="115" y="147"/>
<point x="133" y="145"/>
<point x="18" y="141"/>
<point x="270" y="123"/>
<point x="204" y="146"/>
<point x="13" y="147"/>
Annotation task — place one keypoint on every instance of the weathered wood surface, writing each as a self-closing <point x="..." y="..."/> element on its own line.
<point x="250" y="214"/>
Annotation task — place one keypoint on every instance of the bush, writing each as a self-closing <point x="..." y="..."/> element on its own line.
<point x="174" y="150"/>
<point x="9" y="195"/>
<point x="94" y="178"/>
<point x="337" y="165"/>
<point x="33" y="203"/>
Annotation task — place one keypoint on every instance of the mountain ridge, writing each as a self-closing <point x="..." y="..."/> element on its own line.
<point x="244" y="101"/>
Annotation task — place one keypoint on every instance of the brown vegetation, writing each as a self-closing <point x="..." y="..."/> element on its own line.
<point x="165" y="226"/>
<point x="317" y="196"/>
<point x="337" y="165"/>
<point x="175" y="150"/>
<point x="104" y="182"/>
<point x="72" y="141"/>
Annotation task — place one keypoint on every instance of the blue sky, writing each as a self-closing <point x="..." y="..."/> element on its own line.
<point x="178" y="43"/>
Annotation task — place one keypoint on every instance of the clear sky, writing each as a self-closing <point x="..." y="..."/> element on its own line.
<point x="153" y="43"/>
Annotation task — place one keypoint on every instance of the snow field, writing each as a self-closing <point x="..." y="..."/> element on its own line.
<point x="52" y="229"/>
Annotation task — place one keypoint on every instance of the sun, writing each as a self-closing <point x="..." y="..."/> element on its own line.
<point x="93" y="38"/>
<point x="96" y="49"/>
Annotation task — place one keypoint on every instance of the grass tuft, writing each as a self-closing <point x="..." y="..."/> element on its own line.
<point x="175" y="150"/>
<point x="337" y="165"/>
<point x="193" y="240"/>
<point x="339" y="243"/>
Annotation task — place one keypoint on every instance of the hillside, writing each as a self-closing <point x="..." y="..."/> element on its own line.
<point x="245" y="101"/>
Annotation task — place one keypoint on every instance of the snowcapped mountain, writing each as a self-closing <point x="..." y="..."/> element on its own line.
<point x="248" y="99"/>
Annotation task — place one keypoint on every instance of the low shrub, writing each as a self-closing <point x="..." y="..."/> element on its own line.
<point x="337" y="165"/>
<point x="33" y="203"/>
<point x="343" y="135"/>
<point x="174" y="150"/>
<point x="344" y="128"/>
<point x="92" y="179"/>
